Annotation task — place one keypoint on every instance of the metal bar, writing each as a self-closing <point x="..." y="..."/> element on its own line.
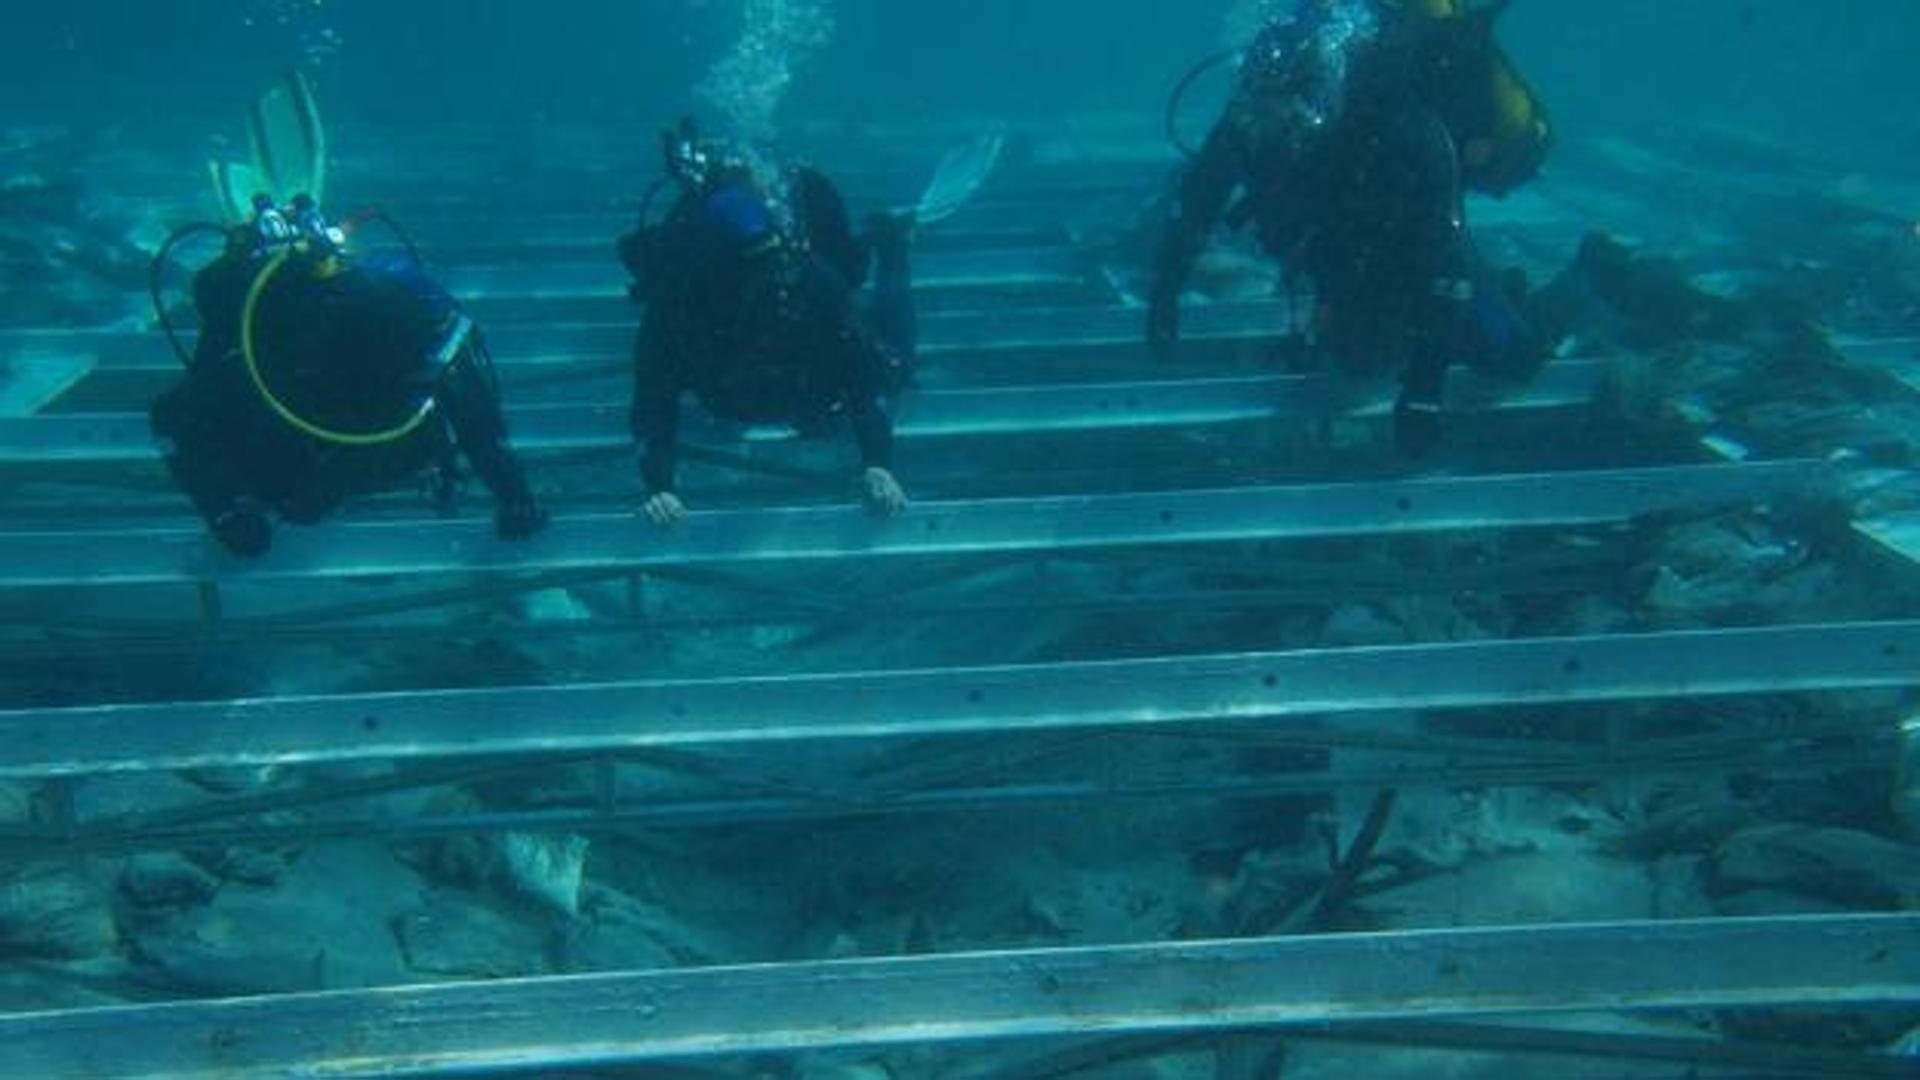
<point x="533" y="1024"/>
<point x="443" y="226"/>
<point x="1757" y="1058"/>
<point x="1283" y="689"/>
<point x="942" y="333"/>
<point x="943" y="787"/>
<point x="158" y="556"/>
<point x="1013" y="287"/>
<point x="458" y="243"/>
<point x="1024" y="410"/>
<point x="1034" y="224"/>
<point x="950" y="776"/>
<point x="606" y="280"/>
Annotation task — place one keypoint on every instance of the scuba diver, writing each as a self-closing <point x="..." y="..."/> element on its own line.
<point x="1354" y="132"/>
<point x="319" y="375"/>
<point x="751" y="288"/>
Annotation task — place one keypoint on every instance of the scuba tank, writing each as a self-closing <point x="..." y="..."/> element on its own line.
<point x="267" y="264"/>
<point x="270" y="229"/>
<point x="1503" y="127"/>
<point x="1521" y="135"/>
<point x="1500" y="125"/>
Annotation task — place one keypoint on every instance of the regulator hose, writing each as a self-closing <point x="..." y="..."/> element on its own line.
<point x="156" y="272"/>
<point x="249" y="351"/>
<point x="1179" y="95"/>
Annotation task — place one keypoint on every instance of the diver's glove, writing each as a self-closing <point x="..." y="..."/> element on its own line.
<point x="518" y="518"/>
<point x="243" y="530"/>
<point x="1416" y="425"/>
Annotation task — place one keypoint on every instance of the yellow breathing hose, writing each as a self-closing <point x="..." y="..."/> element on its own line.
<point x="300" y="423"/>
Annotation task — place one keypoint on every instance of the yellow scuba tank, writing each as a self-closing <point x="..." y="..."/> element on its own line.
<point x="1511" y="153"/>
<point x="1516" y="133"/>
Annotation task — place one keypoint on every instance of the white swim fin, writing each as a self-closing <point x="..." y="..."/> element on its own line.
<point x="958" y="178"/>
<point x="289" y="146"/>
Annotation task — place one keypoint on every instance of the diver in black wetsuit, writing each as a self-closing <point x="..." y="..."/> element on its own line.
<point x="751" y="293"/>
<point x="318" y="376"/>
<point x="1355" y="132"/>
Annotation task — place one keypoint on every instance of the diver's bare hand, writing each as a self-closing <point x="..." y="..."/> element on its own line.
<point x="664" y="508"/>
<point x="884" y="495"/>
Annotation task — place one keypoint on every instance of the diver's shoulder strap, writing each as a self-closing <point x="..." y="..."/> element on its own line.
<point x="459" y="333"/>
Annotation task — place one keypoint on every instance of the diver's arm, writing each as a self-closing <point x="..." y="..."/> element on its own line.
<point x="868" y="384"/>
<point x="473" y="411"/>
<point x="655" y="415"/>
<point x="872" y="423"/>
<point x="205" y="460"/>
<point x="1205" y="189"/>
<point x="828" y="229"/>
<point x="1442" y="264"/>
<point x="873" y="432"/>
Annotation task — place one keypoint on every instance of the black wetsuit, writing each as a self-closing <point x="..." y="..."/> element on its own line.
<point x="1344" y="139"/>
<point x="762" y="321"/>
<point x="354" y="352"/>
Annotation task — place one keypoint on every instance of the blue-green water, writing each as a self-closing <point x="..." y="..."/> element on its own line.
<point x="1835" y="77"/>
<point x="1166" y="650"/>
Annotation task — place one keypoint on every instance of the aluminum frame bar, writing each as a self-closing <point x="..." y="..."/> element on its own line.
<point x="125" y="438"/>
<point x="1280" y="689"/>
<point x="574" y="343"/>
<point x="527" y="1025"/>
<point x="1538" y="500"/>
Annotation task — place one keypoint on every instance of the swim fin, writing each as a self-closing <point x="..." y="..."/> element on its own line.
<point x="29" y="384"/>
<point x="289" y="147"/>
<point x="958" y="178"/>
